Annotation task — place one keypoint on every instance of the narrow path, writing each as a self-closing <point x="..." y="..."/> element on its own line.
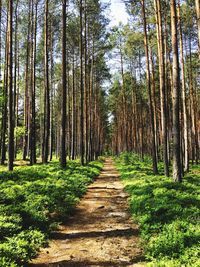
<point x="100" y="233"/>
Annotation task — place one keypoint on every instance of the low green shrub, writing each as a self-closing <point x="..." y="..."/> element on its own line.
<point x="101" y="158"/>
<point x="168" y="213"/>
<point x="173" y="240"/>
<point x="9" y="225"/>
<point x="6" y="262"/>
<point x="22" y="247"/>
<point x="33" y="200"/>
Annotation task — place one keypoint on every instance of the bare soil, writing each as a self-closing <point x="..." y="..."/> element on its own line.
<point x="100" y="232"/>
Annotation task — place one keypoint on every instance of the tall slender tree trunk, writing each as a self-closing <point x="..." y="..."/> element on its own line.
<point x="124" y="110"/>
<point x="26" y="90"/>
<point x="86" y="80"/>
<point x="197" y="3"/>
<point x="92" y="107"/>
<point x="5" y="97"/>
<point x="33" y="85"/>
<point x="154" y="100"/>
<point x="0" y="46"/>
<point x="184" y="98"/>
<point x="177" y="168"/>
<point x="64" y="88"/>
<point x="155" y="169"/>
<point x="73" y="108"/>
<point x="47" y="91"/>
<point x="1" y="82"/>
<point x="194" y="134"/>
<point x="162" y="84"/>
<point x="17" y="96"/>
<point x="68" y="125"/>
<point x="52" y="97"/>
<point x="10" y="94"/>
<point x="82" y="148"/>
<point x="15" y="73"/>
<point x="166" y="81"/>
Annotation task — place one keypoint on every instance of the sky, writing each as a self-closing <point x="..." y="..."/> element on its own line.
<point x="117" y="12"/>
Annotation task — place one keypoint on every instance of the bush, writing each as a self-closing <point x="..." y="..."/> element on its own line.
<point x="33" y="200"/>
<point x="173" y="240"/>
<point x="168" y="213"/>
<point x="22" y="247"/>
<point x="101" y="158"/>
<point x="6" y="262"/>
<point x="9" y="225"/>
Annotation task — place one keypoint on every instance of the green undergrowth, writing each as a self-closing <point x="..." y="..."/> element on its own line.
<point x="33" y="201"/>
<point x="168" y="213"/>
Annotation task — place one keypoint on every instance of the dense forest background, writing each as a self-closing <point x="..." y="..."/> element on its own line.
<point x="77" y="93"/>
<point x="55" y="97"/>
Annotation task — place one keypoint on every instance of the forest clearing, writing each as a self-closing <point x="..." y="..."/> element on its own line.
<point x="100" y="133"/>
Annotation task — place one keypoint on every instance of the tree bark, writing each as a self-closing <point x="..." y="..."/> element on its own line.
<point x="82" y="148"/>
<point x="184" y="97"/>
<point x="197" y="3"/>
<point x="15" y="73"/>
<point x="10" y="94"/>
<point x="162" y="84"/>
<point x="5" y="98"/>
<point x="1" y="82"/>
<point x="73" y="108"/>
<point x="47" y="91"/>
<point x="33" y="85"/>
<point x="177" y="168"/>
<point x="64" y="88"/>
<point x="154" y="158"/>
<point x="26" y="90"/>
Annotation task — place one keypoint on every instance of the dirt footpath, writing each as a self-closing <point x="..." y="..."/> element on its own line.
<point x="100" y="233"/>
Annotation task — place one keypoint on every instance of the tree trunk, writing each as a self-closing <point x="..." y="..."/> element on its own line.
<point x="15" y="74"/>
<point x="51" y="146"/>
<point x="26" y="90"/>
<point x="86" y="81"/>
<point x="154" y="101"/>
<point x="33" y="85"/>
<point x="184" y="98"/>
<point x="73" y="109"/>
<point x="1" y="82"/>
<point x="64" y="89"/>
<point x="10" y="94"/>
<point x="154" y="158"/>
<point x="5" y="98"/>
<point x="177" y="168"/>
<point x="82" y="148"/>
<point x="47" y="93"/>
<point x="162" y="84"/>
<point x="197" y="3"/>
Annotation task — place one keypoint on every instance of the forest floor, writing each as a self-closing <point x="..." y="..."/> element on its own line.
<point x="100" y="232"/>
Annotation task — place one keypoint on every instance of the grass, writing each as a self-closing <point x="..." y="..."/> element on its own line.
<point x="33" y="201"/>
<point x="168" y="213"/>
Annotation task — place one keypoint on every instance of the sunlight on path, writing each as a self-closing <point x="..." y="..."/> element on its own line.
<point x="100" y="233"/>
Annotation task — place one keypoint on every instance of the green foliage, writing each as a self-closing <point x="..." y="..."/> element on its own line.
<point x="9" y="225"/>
<point x="22" y="247"/>
<point x="19" y="131"/>
<point x="101" y="159"/>
<point x="6" y="262"/>
<point x="173" y="239"/>
<point x="168" y="213"/>
<point x="33" y="200"/>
